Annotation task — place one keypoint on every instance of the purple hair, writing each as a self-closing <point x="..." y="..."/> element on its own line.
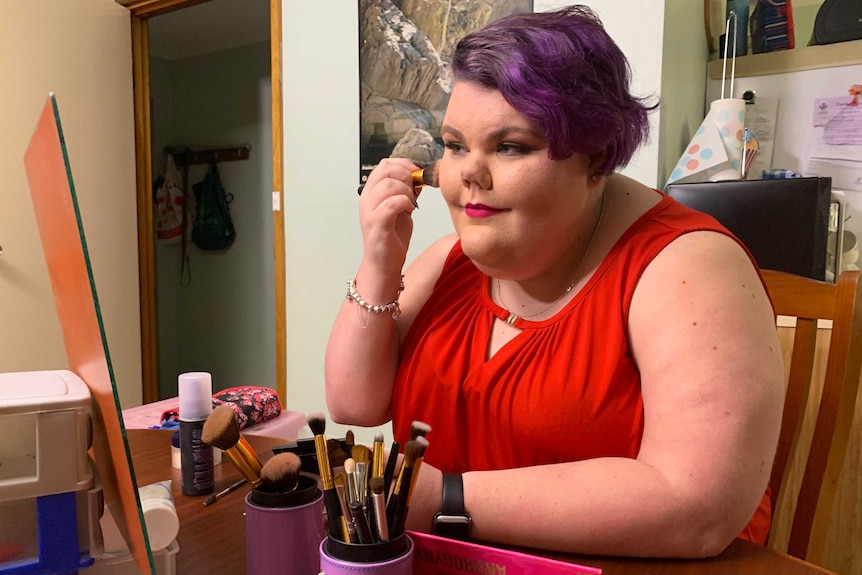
<point x="562" y="71"/>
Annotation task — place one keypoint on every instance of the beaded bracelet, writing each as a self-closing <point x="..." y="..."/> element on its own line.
<point x="391" y="307"/>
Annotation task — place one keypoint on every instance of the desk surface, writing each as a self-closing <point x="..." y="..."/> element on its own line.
<point x="212" y="538"/>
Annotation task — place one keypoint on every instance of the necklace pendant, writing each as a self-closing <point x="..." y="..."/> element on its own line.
<point x="512" y="318"/>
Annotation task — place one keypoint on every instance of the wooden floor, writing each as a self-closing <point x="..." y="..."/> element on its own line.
<point x="843" y="552"/>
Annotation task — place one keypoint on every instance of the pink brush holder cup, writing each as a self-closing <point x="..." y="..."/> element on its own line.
<point x="283" y="531"/>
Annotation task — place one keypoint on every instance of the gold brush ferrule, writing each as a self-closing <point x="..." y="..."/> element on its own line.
<point x="418" y="177"/>
<point x="377" y="463"/>
<point x="245" y="461"/>
<point x="323" y="461"/>
<point x="413" y="479"/>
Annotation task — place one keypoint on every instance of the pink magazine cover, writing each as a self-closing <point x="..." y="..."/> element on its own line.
<point x="434" y="555"/>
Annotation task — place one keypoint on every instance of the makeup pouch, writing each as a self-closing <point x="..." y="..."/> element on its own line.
<point x="252" y="405"/>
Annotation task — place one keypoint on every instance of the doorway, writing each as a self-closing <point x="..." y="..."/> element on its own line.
<point x="230" y="317"/>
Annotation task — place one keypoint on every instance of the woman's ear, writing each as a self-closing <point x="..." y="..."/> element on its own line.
<point x="595" y="165"/>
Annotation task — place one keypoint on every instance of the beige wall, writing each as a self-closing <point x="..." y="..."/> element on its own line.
<point x="80" y="50"/>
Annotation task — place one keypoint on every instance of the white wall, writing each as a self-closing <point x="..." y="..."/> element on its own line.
<point x="321" y="149"/>
<point x="81" y="50"/>
<point x="223" y="321"/>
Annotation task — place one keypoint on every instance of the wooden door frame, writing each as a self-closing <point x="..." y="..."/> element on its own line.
<point x="141" y="11"/>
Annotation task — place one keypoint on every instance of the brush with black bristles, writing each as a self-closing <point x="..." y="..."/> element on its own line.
<point x="317" y="423"/>
<point x="281" y="472"/>
<point x="396" y="510"/>
<point x="222" y="430"/>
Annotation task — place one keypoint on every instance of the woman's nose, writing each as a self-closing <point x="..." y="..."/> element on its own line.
<point x="476" y="172"/>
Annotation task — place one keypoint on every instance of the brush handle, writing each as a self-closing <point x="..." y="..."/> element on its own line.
<point x="379" y="507"/>
<point x="333" y="513"/>
<point x="390" y="468"/>
<point x="396" y="511"/>
<point x="360" y="522"/>
<point x="244" y="458"/>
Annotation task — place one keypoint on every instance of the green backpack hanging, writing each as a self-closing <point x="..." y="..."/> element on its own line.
<point x="213" y="228"/>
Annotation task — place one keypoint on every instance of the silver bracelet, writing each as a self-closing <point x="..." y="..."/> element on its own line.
<point x="391" y="307"/>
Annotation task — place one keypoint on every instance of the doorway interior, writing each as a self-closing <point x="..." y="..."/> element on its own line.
<point x="207" y="75"/>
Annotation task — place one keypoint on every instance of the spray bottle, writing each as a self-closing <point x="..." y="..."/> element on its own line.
<point x="195" y="391"/>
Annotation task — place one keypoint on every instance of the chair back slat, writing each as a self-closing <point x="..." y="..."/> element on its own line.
<point x="808" y="301"/>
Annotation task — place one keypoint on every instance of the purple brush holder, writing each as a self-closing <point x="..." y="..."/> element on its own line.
<point x="393" y="557"/>
<point x="283" y="531"/>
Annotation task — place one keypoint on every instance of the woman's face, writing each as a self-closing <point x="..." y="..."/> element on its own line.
<point x="516" y="211"/>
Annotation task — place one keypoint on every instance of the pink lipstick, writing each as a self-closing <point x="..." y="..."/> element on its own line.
<point x="480" y="211"/>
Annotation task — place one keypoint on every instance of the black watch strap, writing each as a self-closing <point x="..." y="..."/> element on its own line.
<point x="452" y="521"/>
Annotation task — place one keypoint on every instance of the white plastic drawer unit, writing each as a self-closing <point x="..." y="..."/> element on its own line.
<point x="46" y="430"/>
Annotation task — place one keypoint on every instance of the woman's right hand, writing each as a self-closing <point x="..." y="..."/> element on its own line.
<point x="385" y="209"/>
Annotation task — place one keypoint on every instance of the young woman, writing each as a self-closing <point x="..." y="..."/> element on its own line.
<point x="599" y="364"/>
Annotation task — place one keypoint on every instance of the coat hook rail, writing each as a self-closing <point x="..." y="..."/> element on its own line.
<point x="190" y="156"/>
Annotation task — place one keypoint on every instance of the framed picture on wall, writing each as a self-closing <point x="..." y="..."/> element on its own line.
<point x="405" y="47"/>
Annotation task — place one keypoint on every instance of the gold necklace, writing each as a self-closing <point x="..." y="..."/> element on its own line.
<point x="513" y="317"/>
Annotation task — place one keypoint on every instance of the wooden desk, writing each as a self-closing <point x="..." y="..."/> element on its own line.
<point x="212" y="539"/>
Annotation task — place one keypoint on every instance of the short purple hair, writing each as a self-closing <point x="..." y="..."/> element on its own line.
<point x="562" y="71"/>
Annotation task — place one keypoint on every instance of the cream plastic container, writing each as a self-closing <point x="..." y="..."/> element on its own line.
<point x="160" y="515"/>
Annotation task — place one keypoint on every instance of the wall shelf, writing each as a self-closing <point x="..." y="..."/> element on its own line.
<point x="804" y="58"/>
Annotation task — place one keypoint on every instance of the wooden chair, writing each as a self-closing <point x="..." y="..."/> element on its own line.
<point x="808" y="301"/>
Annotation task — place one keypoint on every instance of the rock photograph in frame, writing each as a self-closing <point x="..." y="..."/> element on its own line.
<point x="405" y="47"/>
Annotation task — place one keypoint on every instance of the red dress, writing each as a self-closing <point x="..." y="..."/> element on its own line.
<point x="556" y="392"/>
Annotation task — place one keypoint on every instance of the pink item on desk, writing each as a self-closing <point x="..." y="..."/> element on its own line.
<point x="286" y="426"/>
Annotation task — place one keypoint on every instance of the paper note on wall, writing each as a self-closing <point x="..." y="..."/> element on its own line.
<point x="834" y="141"/>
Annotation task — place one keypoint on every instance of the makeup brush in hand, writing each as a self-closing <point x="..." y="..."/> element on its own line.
<point x="281" y="472"/>
<point x="222" y="430"/>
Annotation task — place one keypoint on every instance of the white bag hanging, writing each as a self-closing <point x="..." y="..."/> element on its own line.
<point x="169" y="204"/>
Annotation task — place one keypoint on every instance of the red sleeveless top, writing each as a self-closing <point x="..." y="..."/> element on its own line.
<point x="564" y="389"/>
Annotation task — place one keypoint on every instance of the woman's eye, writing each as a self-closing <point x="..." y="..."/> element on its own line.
<point x="509" y="148"/>
<point x="454" y="146"/>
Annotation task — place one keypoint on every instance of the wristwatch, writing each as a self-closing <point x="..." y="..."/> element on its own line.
<point x="452" y="521"/>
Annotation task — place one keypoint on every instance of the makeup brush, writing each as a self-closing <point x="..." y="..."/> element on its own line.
<point x="317" y="423"/>
<point x="397" y="508"/>
<point x="229" y="489"/>
<point x="427" y="176"/>
<point x="377" y="456"/>
<point x="360" y="522"/>
<point x="281" y="472"/>
<point x="340" y="481"/>
<point x="420" y="457"/>
<point x="419" y="429"/>
<point x="350" y="471"/>
<point x="349" y="442"/>
<point x="378" y="503"/>
<point x="222" y="430"/>
<point x="336" y="461"/>
<point x="389" y="471"/>
<point x="362" y="457"/>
